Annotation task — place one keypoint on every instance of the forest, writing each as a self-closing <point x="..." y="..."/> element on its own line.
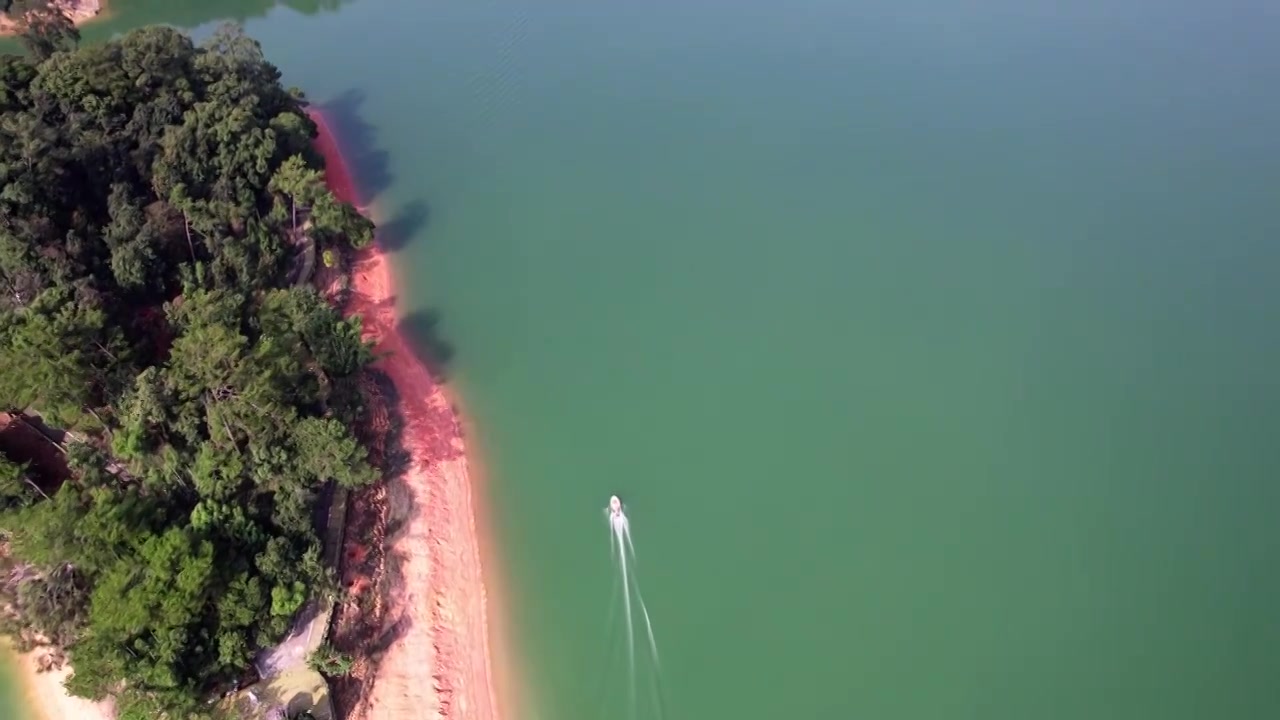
<point x="155" y="200"/>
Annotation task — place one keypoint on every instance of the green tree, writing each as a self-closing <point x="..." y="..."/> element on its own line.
<point x="328" y="452"/>
<point x="301" y="184"/>
<point x="329" y="661"/>
<point x="16" y="487"/>
<point x="57" y="353"/>
<point x="45" y="28"/>
<point x="149" y="189"/>
<point x="338" y="219"/>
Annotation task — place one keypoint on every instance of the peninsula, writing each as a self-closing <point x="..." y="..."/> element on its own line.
<point x="434" y="612"/>
<point x="201" y="369"/>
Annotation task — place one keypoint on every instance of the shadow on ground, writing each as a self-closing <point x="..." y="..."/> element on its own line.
<point x="25" y="438"/>
<point x="372" y="583"/>
<point x="291" y="693"/>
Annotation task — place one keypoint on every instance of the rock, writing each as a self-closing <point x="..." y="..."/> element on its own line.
<point x="78" y="10"/>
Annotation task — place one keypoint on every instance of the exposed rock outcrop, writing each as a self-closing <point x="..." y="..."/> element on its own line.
<point x="78" y="10"/>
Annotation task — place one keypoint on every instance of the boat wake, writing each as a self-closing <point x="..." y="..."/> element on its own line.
<point x="622" y="550"/>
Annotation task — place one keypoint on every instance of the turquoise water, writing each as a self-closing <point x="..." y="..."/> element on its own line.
<point x="931" y="345"/>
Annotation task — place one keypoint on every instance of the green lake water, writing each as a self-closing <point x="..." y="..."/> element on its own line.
<point x="932" y="345"/>
<point x="11" y="703"/>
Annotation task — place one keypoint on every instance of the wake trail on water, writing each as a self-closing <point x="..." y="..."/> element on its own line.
<point x="644" y="609"/>
<point x="620" y="528"/>
<point x="607" y="665"/>
<point x="622" y="550"/>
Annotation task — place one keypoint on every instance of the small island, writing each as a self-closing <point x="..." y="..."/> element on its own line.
<point x="15" y="15"/>
<point x="178" y="400"/>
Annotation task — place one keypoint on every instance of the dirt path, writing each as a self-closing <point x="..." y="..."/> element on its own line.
<point x="435" y="662"/>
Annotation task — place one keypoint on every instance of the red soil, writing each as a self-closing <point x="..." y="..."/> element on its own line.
<point x="413" y="541"/>
<point x="20" y="441"/>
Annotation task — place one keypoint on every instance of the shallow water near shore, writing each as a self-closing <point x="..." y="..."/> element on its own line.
<point x="931" y="346"/>
<point x="12" y="702"/>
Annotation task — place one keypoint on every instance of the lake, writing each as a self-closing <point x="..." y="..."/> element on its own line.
<point x="11" y="700"/>
<point x="932" y="346"/>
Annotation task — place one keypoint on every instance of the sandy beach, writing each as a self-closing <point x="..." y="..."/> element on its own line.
<point x="48" y="699"/>
<point x="436" y="662"/>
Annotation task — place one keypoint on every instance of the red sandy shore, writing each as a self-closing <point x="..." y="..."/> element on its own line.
<point x="437" y="663"/>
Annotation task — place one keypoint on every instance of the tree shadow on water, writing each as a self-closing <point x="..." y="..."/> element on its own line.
<point x="370" y="165"/>
<point x="370" y="168"/>
<point x="396" y="233"/>
<point x="421" y="331"/>
<point x="311" y="7"/>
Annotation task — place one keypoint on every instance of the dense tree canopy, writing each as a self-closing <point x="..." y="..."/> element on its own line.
<point x="152" y="196"/>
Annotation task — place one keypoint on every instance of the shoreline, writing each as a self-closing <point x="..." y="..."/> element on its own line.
<point x="44" y="694"/>
<point x="79" y="11"/>
<point x="439" y="662"/>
